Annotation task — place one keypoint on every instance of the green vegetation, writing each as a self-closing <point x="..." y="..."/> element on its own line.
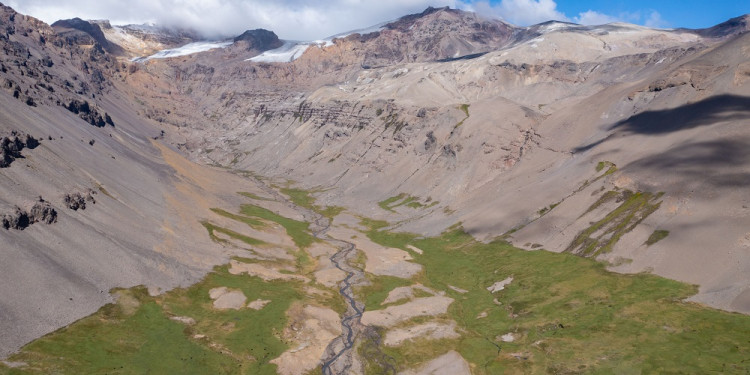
<point x="374" y="294"/>
<point x="137" y="336"/>
<point x="298" y="230"/>
<point x="303" y="198"/>
<point x="254" y="196"/>
<point x="255" y="223"/>
<point x="657" y="236"/>
<point x="611" y="168"/>
<point x="602" y="235"/>
<point x="386" y="204"/>
<point x="213" y="229"/>
<point x="465" y="109"/>
<point x="405" y="200"/>
<point x="568" y="314"/>
<point x="545" y="210"/>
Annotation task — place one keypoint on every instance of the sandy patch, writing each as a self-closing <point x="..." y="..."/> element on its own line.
<point x="225" y="298"/>
<point x="450" y="363"/>
<point x="311" y="328"/>
<point x="322" y="249"/>
<point x="500" y="285"/>
<point x="430" y="330"/>
<point x="330" y="277"/>
<point x="392" y="315"/>
<point x="405" y="292"/>
<point x="326" y="272"/>
<point x="258" y="304"/>
<point x="415" y="249"/>
<point x="457" y="289"/>
<point x="265" y="273"/>
<point x="183" y="319"/>
<point x="398" y="294"/>
<point x="508" y="337"/>
<point x="14" y="364"/>
<point x="381" y="260"/>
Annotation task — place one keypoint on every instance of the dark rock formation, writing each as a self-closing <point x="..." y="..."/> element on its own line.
<point x="41" y="212"/>
<point x="76" y="201"/>
<point x="84" y="110"/>
<point x="259" y="40"/>
<point x="79" y="32"/>
<point x="429" y="144"/>
<point x="11" y="147"/>
<point x="18" y="220"/>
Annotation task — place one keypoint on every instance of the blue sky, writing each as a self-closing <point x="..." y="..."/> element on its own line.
<point x="685" y="13"/>
<point x="316" y="19"/>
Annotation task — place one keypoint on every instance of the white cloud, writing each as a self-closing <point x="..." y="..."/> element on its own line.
<point x="654" y="20"/>
<point x="299" y="19"/>
<point x="290" y="19"/>
<point x="591" y="17"/>
<point x="521" y="12"/>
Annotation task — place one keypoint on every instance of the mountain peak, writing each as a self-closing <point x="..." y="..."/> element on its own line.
<point x="79" y="31"/>
<point x="259" y="39"/>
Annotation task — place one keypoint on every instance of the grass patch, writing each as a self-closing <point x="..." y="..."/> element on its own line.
<point x="213" y="229"/>
<point x="254" y="223"/>
<point x="657" y="236"/>
<point x="254" y="196"/>
<point x="465" y="109"/>
<point x="386" y="238"/>
<point x="602" y="235"/>
<point x="374" y="294"/>
<point x="569" y="314"/>
<point x="303" y="198"/>
<point x="405" y="200"/>
<point x="300" y="197"/>
<point x="611" y="168"/>
<point x="386" y="204"/>
<point x="298" y="230"/>
<point x="547" y="209"/>
<point x="137" y="337"/>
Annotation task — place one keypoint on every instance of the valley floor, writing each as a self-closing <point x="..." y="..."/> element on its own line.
<point x="440" y="305"/>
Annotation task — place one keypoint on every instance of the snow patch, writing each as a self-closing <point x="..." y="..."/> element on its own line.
<point x="290" y="51"/>
<point x="185" y="50"/>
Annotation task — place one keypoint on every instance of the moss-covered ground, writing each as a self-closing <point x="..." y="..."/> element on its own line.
<point x="137" y="336"/>
<point x="568" y="314"/>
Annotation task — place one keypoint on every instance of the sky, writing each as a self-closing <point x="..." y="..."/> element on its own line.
<point x="317" y="19"/>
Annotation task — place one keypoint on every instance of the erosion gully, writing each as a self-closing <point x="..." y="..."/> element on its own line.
<point x="340" y="355"/>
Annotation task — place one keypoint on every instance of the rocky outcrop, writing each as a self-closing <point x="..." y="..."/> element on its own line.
<point x="77" y="200"/>
<point x="79" y="32"/>
<point x="11" y="147"/>
<point x="41" y="212"/>
<point x="91" y="115"/>
<point x="259" y="40"/>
